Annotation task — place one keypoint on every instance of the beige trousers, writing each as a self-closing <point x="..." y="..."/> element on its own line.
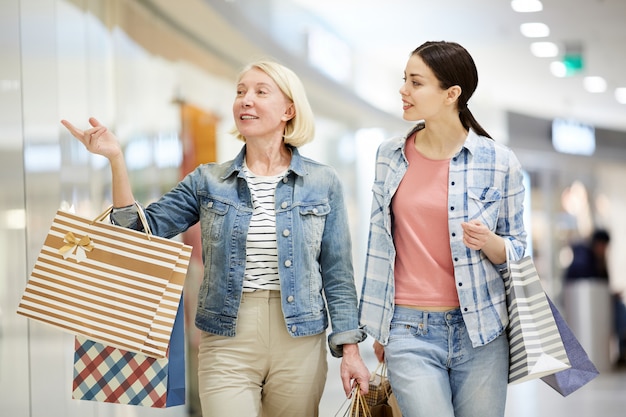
<point x="262" y="371"/>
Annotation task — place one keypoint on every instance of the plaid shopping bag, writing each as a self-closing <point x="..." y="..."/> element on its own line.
<point x="108" y="283"/>
<point x="107" y="374"/>
<point x="379" y="387"/>
<point x="380" y="399"/>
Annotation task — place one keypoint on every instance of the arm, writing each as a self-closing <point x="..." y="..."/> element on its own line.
<point x="340" y="291"/>
<point x="172" y="214"/>
<point x="99" y="140"/>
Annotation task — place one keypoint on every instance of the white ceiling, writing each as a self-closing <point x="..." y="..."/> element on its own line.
<point x="510" y="76"/>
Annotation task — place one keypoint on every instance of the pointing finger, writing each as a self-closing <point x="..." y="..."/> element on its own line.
<point x="77" y="133"/>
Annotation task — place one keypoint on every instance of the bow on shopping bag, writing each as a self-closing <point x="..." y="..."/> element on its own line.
<point x="80" y="246"/>
<point x="129" y="292"/>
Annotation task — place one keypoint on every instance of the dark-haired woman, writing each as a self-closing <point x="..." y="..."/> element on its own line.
<point x="447" y="208"/>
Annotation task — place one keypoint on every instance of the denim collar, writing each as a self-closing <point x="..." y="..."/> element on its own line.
<point x="296" y="165"/>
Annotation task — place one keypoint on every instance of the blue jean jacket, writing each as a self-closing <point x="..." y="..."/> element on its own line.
<point x="313" y="239"/>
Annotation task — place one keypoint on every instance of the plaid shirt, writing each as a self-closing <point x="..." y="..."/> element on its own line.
<point x="485" y="183"/>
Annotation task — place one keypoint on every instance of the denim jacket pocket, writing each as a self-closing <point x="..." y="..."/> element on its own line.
<point x="212" y="216"/>
<point x="313" y="218"/>
<point x="484" y="205"/>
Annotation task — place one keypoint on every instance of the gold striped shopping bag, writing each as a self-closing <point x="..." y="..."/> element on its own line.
<point x="108" y="283"/>
<point x="535" y="345"/>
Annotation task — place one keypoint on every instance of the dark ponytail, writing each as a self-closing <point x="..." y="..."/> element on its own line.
<point x="468" y="121"/>
<point x="453" y="65"/>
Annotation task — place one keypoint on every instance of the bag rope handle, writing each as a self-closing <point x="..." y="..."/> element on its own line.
<point x="140" y="213"/>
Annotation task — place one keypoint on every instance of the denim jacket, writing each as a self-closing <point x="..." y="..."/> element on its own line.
<point x="313" y="241"/>
<point x="485" y="183"/>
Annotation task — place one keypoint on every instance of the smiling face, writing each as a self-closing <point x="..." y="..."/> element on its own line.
<point x="261" y="110"/>
<point x="422" y="95"/>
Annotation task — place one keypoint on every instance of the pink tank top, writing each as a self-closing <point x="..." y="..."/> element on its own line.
<point x="424" y="275"/>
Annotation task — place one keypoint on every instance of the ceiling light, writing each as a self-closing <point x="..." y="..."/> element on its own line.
<point x="595" y="84"/>
<point x="544" y="49"/>
<point x="557" y="68"/>
<point x="526" y="6"/>
<point x="534" y="30"/>
<point x="620" y="95"/>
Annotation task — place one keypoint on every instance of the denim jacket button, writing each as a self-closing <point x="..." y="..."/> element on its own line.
<point x="294" y="328"/>
<point x="290" y="299"/>
<point x="283" y="204"/>
<point x="286" y="232"/>
<point x="287" y="263"/>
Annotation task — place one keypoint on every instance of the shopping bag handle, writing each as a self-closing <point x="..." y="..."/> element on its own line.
<point x="382" y="367"/>
<point x="358" y="405"/>
<point x="140" y="213"/>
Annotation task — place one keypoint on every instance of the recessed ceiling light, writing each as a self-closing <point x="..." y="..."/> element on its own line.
<point x="526" y="6"/>
<point x="534" y="30"/>
<point x="595" y="84"/>
<point x="620" y="95"/>
<point x="557" y="68"/>
<point x="544" y="49"/>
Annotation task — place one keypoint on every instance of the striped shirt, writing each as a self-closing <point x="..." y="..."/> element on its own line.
<point x="261" y="251"/>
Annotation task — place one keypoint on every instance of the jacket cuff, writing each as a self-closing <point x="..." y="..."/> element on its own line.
<point x="337" y="340"/>
<point x="126" y="217"/>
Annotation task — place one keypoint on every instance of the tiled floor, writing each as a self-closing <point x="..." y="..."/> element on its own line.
<point x="605" y="396"/>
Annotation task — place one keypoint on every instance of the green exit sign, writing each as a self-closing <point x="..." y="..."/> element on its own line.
<point x="573" y="64"/>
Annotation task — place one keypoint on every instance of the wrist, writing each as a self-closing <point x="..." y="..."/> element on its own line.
<point x="351" y="349"/>
<point x="495" y="249"/>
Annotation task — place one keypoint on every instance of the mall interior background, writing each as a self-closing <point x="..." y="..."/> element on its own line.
<point x="165" y="85"/>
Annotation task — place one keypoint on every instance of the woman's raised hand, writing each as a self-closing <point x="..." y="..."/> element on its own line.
<point x="97" y="139"/>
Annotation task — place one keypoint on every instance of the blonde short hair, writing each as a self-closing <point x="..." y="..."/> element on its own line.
<point x="301" y="128"/>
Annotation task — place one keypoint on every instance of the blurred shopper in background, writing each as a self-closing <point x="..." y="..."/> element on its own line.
<point x="589" y="259"/>
<point x="447" y="208"/>
<point x="276" y="249"/>
<point x="589" y="262"/>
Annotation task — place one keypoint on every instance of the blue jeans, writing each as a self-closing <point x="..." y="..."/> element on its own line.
<point x="434" y="370"/>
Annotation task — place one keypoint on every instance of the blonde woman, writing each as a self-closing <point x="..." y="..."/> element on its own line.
<point x="276" y="249"/>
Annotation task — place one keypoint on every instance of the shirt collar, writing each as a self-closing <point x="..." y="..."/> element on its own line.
<point x="472" y="142"/>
